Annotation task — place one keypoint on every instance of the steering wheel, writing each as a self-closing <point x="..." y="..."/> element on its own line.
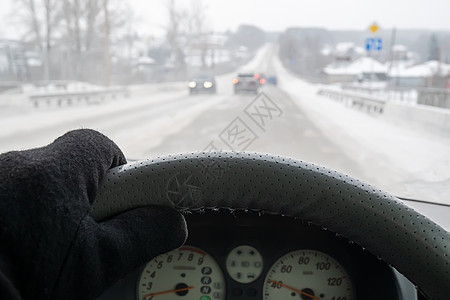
<point x="377" y="221"/>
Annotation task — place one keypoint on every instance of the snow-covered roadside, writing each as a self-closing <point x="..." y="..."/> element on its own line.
<point x="40" y="127"/>
<point x="401" y="161"/>
<point x="35" y="119"/>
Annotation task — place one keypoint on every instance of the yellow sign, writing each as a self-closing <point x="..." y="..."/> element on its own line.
<point x="374" y="28"/>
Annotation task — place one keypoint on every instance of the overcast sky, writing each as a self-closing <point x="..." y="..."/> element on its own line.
<point x="276" y="15"/>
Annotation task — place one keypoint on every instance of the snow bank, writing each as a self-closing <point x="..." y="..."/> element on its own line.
<point x="426" y="119"/>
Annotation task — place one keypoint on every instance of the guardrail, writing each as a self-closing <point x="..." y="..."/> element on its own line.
<point x="391" y="93"/>
<point x="367" y="103"/>
<point x="432" y="120"/>
<point x="70" y="98"/>
<point x="434" y="97"/>
<point x="426" y="96"/>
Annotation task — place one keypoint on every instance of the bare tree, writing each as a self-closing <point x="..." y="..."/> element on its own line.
<point x="72" y="12"/>
<point x="35" y="25"/>
<point x="45" y="17"/>
<point x="177" y="18"/>
<point x="79" y="32"/>
<point x="89" y="26"/>
<point x="198" y="29"/>
<point x="107" y="57"/>
<point x="128" y="34"/>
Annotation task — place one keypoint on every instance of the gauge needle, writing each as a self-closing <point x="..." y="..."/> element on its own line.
<point x="294" y="289"/>
<point x="168" y="292"/>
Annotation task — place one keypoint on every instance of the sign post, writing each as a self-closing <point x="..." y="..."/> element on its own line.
<point x="373" y="44"/>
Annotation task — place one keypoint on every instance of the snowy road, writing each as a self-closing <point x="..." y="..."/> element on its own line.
<point x="289" y="120"/>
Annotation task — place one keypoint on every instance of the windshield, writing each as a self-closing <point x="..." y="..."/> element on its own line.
<point x="362" y="87"/>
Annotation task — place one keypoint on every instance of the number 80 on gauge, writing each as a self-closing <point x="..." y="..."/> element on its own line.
<point x="307" y="275"/>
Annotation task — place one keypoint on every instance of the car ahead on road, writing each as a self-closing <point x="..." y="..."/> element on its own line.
<point x="247" y="83"/>
<point x="202" y="84"/>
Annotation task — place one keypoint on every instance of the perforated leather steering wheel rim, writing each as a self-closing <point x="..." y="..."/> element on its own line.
<point x="410" y="242"/>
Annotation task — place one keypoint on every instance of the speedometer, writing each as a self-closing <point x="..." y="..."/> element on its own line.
<point x="187" y="273"/>
<point x="307" y="275"/>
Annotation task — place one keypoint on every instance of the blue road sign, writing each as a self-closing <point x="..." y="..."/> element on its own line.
<point x="374" y="44"/>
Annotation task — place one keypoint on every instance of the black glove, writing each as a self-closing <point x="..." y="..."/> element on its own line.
<point x="50" y="247"/>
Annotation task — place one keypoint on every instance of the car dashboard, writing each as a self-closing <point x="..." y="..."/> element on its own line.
<point x="236" y="254"/>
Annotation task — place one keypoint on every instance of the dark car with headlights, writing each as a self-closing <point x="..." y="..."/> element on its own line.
<point x="202" y="84"/>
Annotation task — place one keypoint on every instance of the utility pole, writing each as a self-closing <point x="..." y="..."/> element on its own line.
<point x="107" y="61"/>
<point x="391" y="55"/>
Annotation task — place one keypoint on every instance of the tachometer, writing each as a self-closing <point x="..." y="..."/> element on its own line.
<point x="307" y="275"/>
<point x="187" y="273"/>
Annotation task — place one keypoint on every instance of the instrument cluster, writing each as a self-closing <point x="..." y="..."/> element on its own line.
<point x="249" y="255"/>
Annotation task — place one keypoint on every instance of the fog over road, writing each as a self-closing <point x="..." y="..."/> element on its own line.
<point x="162" y="121"/>
<point x="159" y="121"/>
<point x="288" y="119"/>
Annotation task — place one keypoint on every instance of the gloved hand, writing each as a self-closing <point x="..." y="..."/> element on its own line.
<point x="50" y="247"/>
